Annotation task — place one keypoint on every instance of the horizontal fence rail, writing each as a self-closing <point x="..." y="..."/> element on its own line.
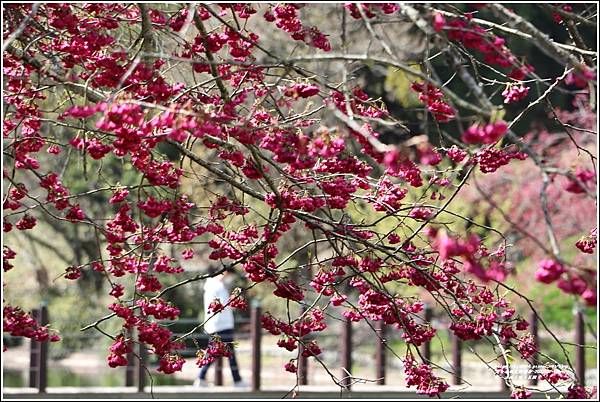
<point x="136" y="370"/>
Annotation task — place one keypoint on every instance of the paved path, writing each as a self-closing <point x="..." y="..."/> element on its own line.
<point x="189" y="392"/>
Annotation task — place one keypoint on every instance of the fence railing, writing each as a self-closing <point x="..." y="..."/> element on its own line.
<point x="136" y="371"/>
<point x="38" y="355"/>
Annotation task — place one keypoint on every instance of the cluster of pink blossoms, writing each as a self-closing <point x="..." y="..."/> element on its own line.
<point x="158" y="308"/>
<point x="578" y="391"/>
<point x="239" y="48"/>
<point x="134" y="136"/>
<point x="237" y="301"/>
<point x="433" y="98"/>
<point x="215" y="306"/>
<point x="359" y="103"/>
<point x="370" y="8"/>
<point x="474" y="37"/>
<point x="301" y="90"/>
<point x="388" y="196"/>
<point x="584" y="177"/>
<point x="550" y="271"/>
<point x="428" y="155"/>
<point x="159" y="339"/>
<point x="421" y="213"/>
<point x="314" y="321"/>
<point x="286" y="18"/>
<point x="588" y="243"/>
<point x="118" y="352"/>
<point x="161" y="342"/>
<point x="555" y="376"/>
<point x="491" y="159"/>
<point x="520" y="393"/>
<point x="338" y="192"/>
<point x="421" y="376"/>
<point x="216" y="348"/>
<point x="527" y="346"/>
<point x="456" y="154"/>
<point x="7" y="255"/>
<point x="291" y="367"/>
<point x="292" y="201"/>
<point x="324" y="282"/>
<point x="72" y="273"/>
<point x="488" y="134"/>
<point x="169" y="364"/>
<point x="288" y="290"/>
<point x="375" y="305"/>
<point x="473" y="254"/>
<point x="399" y="165"/>
<point x="94" y="147"/>
<point x="514" y="93"/>
<point x="57" y="195"/>
<point x="16" y="322"/>
<point x="557" y="17"/>
<point x="580" y="79"/>
<point x="498" y="314"/>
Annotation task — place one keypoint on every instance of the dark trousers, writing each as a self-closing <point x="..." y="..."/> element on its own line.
<point x="226" y="337"/>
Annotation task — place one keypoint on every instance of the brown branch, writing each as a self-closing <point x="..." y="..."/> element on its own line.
<point x="511" y="31"/>
<point x="149" y="41"/>
<point x="17" y="33"/>
<point x="213" y="68"/>
<point x="392" y="63"/>
<point x="219" y="173"/>
<point x="569" y="15"/>
<point x="77" y="88"/>
<point x="541" y="40"/>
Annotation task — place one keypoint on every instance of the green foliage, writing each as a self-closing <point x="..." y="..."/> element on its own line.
<point x="68" y="314"/>
<point x="397" y="84"/>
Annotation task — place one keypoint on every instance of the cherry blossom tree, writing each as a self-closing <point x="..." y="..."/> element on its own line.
<point x="240" y="125"/>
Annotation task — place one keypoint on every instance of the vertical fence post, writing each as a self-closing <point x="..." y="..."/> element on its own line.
<point x="130" y="368"/>
<point x="302" y="360"/>
<point x="34" y="352"/>
<point x="302" y="366"/>
<point x="43" y="373"/>
<point x="38" y="354"/>
<point x="380" y="326"/>
<point x="426" y="347"/>
<point x="579" y="345"/>
<point x="255" y="328"/>
<point x="219" y="371"/>
<point x="141" y="368"/>
<point x="346" y="352"/>
<point x="535" y="361"/>
<point x="457" y="360"/>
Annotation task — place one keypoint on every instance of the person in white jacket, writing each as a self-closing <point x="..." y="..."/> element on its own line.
<point x="221" y="323"/>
